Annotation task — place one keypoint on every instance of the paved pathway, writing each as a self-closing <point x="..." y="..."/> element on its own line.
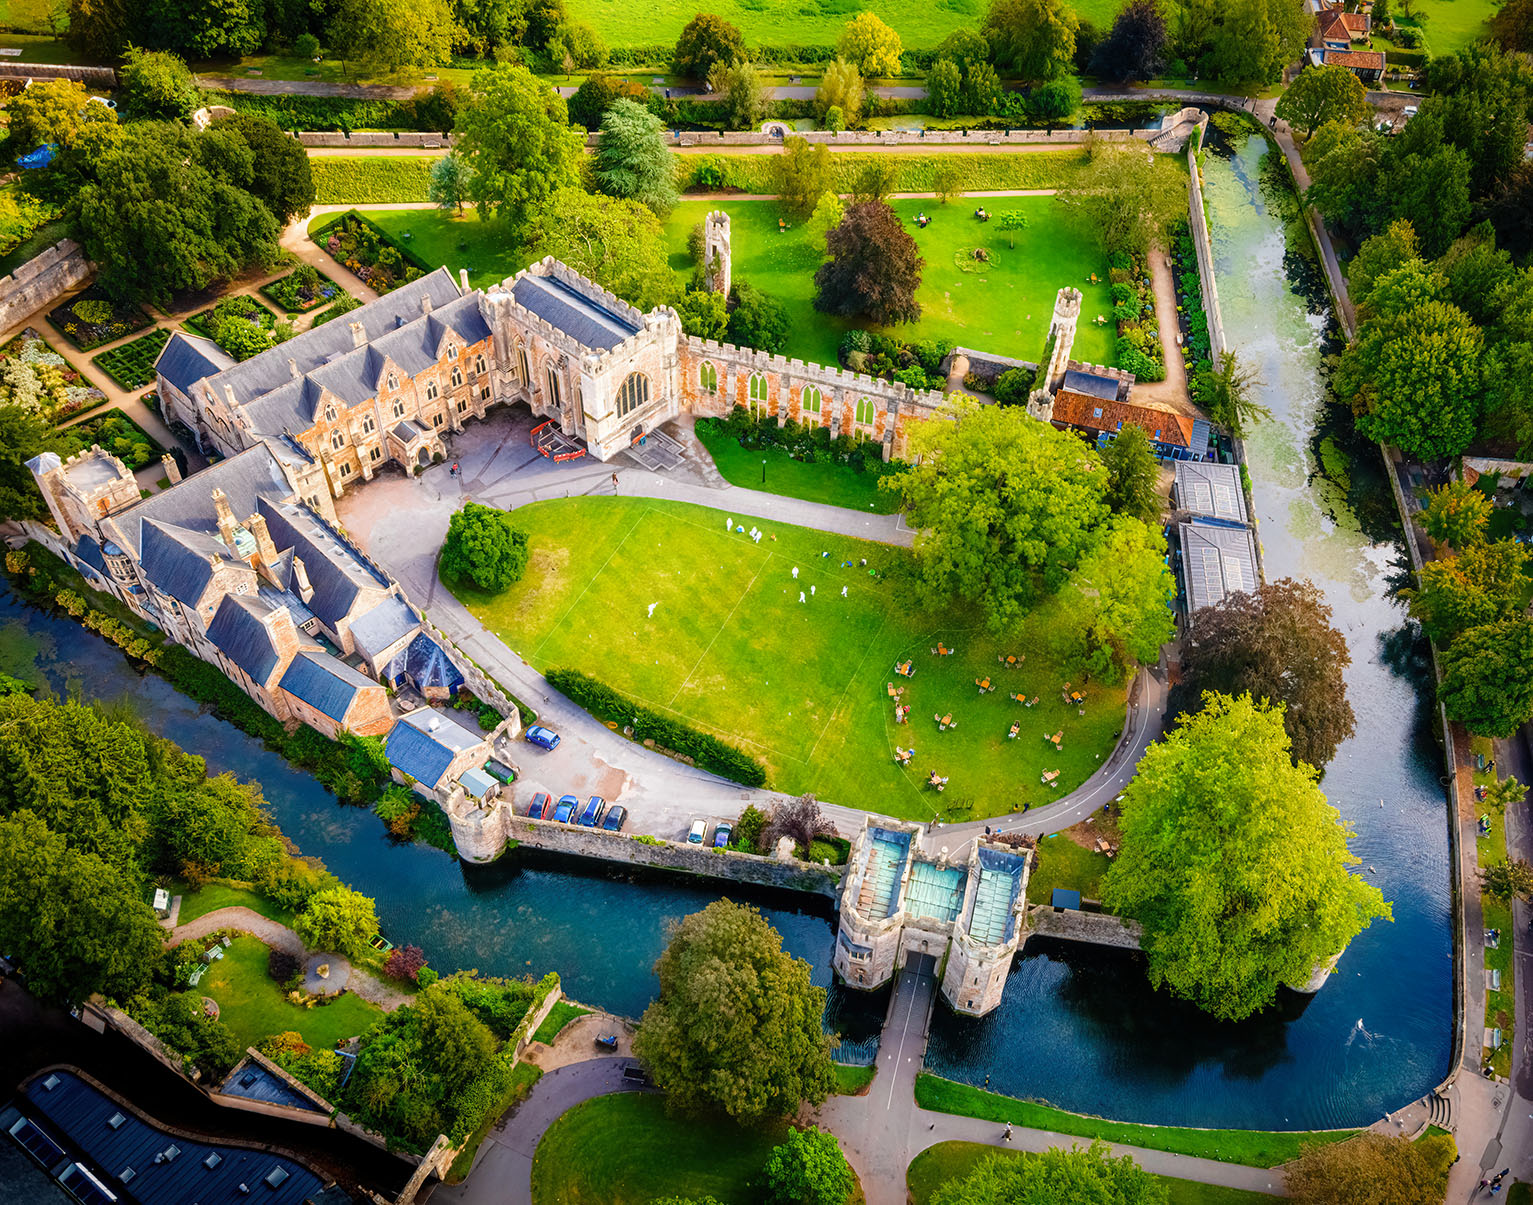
<point x="1172" y="391"/>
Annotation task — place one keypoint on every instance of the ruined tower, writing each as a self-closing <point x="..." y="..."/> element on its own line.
<point x="716" y="251"/>
<point x="1067" y="312"/>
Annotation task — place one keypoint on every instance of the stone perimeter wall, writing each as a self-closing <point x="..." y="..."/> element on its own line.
<point x="1098" y="928"/>
<point x="97" y="77"/>
<point x="41" y="281"/>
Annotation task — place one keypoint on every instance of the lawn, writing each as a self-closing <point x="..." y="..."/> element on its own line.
<point x="1450" y="25"/>
<point x="832" y="484"/>
<point x="1063" y="863"/>
<point x="730" y="649"/>
<point x="252" y="1006"/>
<point x="215" y="895"/>
<point x="1500" y="1007"/>
<point x="484" y="248"/>
<point x="946" y="1161"/>
<point x="132" y="364"/>
<point x="627" y="1150"/>
<point x="1004" y="308"/>
<point x="560" y="1015"/>
<point x="852" y="1080"/>
<point x="1256" y="1148"/>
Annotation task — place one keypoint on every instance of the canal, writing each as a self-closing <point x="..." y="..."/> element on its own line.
<point x="1079" y="1027"/>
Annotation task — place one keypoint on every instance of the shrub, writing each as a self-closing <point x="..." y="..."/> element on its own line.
<point x="306" y="46"/>
<point x="483" y="548"/>
<point x="405" y="962"/>
<point x="748" y="829"/>
<point x="426" y="977"/>
<point x="1013" y="386"/>
<point x="281" y="965"/>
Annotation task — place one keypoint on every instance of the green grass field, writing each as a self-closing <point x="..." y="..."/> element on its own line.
<point x="560" y="1015"/>
<point x="801" y="686"/>
<point x="1005" y="308"/>
<point x="1256" y="1148"/>
<point x="852" y="1080"/>
<point x="252" y="1006"/>
<point x="832" y="484"/>
<point x="482" y="247"/>
<point x="1450" y="25"/>
<point x="215" y="895"/>
<point x="946" y="1161"/>
<point x="627" y="1150"/>
<point x="1063" y="863"/>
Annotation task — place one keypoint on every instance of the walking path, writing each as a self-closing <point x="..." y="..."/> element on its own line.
<point x="278" y="936"/>
<point x="1172" y="391"/>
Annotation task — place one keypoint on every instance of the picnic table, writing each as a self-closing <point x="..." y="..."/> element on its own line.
<point x="1049" y="776"/>
<point x="984" y="685"/>
<point x="1056" y="738"/>
<point x="945" y="721"/>
<point x="905" y="669"/>
<point x="893" y="694"/>
<point x="942" y="650"/>
<point x="903" y="756"/>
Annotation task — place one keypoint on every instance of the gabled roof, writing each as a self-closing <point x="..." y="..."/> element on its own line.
<point x="1331" y="25"/>
<point x="180" y="562"/>
<point x="1217" y="561"/>
<point x="253" y="473"/>
<point x="336" y="570"/>
<point x="1091" y="385"/>
<point x="1205" y="487"/>
<point x="89" y="551"/>
<point x="239" y="631"/>
<point x="423" y="743"/>
<point x="1359" y="60"/>
<point x="1101" y="414"/>
<point x="390" y="621"/>
<point x="187" y="359"/>
<point x="423" y="662"/>
<point x="325" y="683"/>
<point x="584" y="319"/>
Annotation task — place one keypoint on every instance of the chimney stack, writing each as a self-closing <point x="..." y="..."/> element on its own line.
<point x="266" y="550"/>
<point x="463" y="279"/>
<point x="226" y="523"/>
<point x="425" y="303"/>
<point x="301" y="580"/>
<point x="358" y="335"/>
<point x="292" y="367"/>
<point x="172" y="469"/>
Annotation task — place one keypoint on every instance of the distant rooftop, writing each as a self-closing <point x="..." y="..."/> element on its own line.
<point x="582" y="318"/>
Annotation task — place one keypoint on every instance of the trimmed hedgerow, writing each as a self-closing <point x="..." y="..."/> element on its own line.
<point x="707" y="751"/>
<point x="370" y="180"/>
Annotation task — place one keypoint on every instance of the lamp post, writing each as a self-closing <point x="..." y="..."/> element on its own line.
<point x="763" y="471"/>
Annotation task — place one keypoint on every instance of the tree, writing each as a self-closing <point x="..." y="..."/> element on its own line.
<point x="1513" y="26"/>
<point x="1278" y="645"/>
<point x="1256" y="39"/>
<point x="1481" y="585"/>
<point x="1504" y="879"/>
<point x="808" y="1169"/>
<point x="741" y="93"/>
<point x="947" y="182"/>
<point x="1227" y="392"/>
<point x="617" y="243"/>
<point x="280" y="176"/>
<point x="450" y="183"/>
<point x="803" y="176"/>
<point x="459" y="1044"/>
<point x="799" y="820"/>
<point x="749" y="827"/>
<point x="100" y="28"/>
<point x="1035" y="38"/>
<point x="944" y="88"/>
<point x="1129" y="196"/>
<point x="870" y="46"/>
<point x="874" y="180"/>
<point x="706" y="40"/>
<point x="1504" y="794"/>
<point x="386" y="35"/>
<point x="1234" y="862"/>
<point x="632" y="159"/>
<point x="404" y="962"/>
<point x="982" y="89"/>
<point x="840" y="88"/>
<point x="1457" y="514"/>
<point x="1014" y="387"/>
<point x="1373" y="1169"/>
<point x="1120" y="609"/>
<point x="1012" y="221"/>
<point x="76" y="924"/>
<point x="737" y="1026"/>
<point x="874" y="267"/>
<point x="53" y="111"/>
<point x="156" y="85"/>
<point x="1005" y="506"/>
<point x="1379" y="255"/>
<point x="1136" y="47"/>
<point x="757" y="319"/>
<point x="1487" y="682"/>
<point x="514" y="136"/>
<point x="338" y="920"/>
<point x="597" y="92"/>
<point x="1323" y="94"/>
<point x="1055" y="1176"/>
<point x="827" y="215"/>
<point x="1132" y="474"/>
<point x="483" y="547"/>
<point x="24" y="433"/>
<point x="703" y="314"/>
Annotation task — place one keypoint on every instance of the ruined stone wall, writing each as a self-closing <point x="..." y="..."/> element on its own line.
<point x="43" y="279"/>
<point x="1097" y="928"/>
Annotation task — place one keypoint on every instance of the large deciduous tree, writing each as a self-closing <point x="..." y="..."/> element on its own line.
<point x="1255" y="39"/>
<point x="514" y="134"/>
<point x="1234" y="862"/>
<point x="1055" y="1176"/>
<point x="24" y="433"/>
<point x="1035" y="38"/>
<point x="1132" y="472"/>
<point x="874" y="268"/>
<point x="840" y="88"/>
<point x="617" y="243"/>
<point x="757" y="319"/>
<point x="706" y="40"/>
<point x="450" y="181"/>
<point x="1120" y="604"/>
<point x="597" y="92"/>
<point x="1512" y="27"/>
<point x="484" y="548"/>
<point x="1457" y="514"/>
<point x="337" y="920"/>
<point x="870" y="46"/>
<point x="1278" y="644"/>
<point x="632" y="160"/>
<point x="1128" y="195"/>
<point x="1482" y="584"/>
<point x="1006" y="506"/>
<point x="280" y="175"/>
<point x="386" y="35"/>
<point x="737" y="1027"/>
<point x="741" y="92"/>
<point x="155" y="84"/>
<point x="1487" y="680"/>
<point x="1373" y="1169"/>
<point x="1136" y="47"/>
<point x="1323" y="94"/>
<point x="803" y="176"/>
<point x="944" y="88"/>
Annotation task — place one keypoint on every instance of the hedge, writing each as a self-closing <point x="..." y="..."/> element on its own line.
<point x="293" y="112"/>
<point x="707" y="751"/>
<point x="912" y="172"/>
<point x="370" y="180"/>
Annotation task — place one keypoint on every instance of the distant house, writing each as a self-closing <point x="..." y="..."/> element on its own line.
<point x="1092" y="401"/>
<point x="1367" y="65"/>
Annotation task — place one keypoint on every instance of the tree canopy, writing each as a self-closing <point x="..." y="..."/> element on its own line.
<point x="1234" y="862"/>
<point x="741" y="92"/>
<point x="1132" y="472"/>
<point x="1487" y="682"/>
<point x="1135" y="49"/>
<point x="1456" y="514"/>
<point x="1121" y="609"/>
<point x="840" y="88"/>
<point x="515" y="137"/>
<point x="1479" y="586"/>
<point x="280" y="177"/>
<point x="632" y="160"/>
<point x="870" y="46"/>
<point x="617" y="243"/>
<point x="1035" y="38"/>
<point x="808" y="1169"/>
<point x="1373" y="1169"/>
<point x="874" y="268"/>
<point x="1128" y="195"/>
<point x="737" y="1026"/>
<point x="706" y="40"/>
<point x="1322" y="94"/>
<point x="757" y="319"/>
<point x="155" y="84"/>
<point x="1255" y="39"/>
<point x="1054" y="1176"/>
<point x="337" y="920"/>
<point x="804" y="176"/>
<point x="1278" y="644"/>
<point x="484" y="548"/>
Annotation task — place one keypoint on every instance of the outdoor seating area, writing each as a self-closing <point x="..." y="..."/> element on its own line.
<point x="984" y="685"/>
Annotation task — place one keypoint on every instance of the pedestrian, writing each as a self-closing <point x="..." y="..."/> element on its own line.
<point x="1008" y="1131"/>
<point x="800" y="596"/>
<point x="843" y="591"/>
<point x="795" y="573"/>
<point x="811" y="591"/>
<point x="933" y="1126"/>
<point x="614" y="483"/>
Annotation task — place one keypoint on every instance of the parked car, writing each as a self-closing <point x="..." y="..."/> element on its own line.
<point x="592" y="814"/>
<point x="722" y="833"/>
<point x="543" y="738"/>
<point x="616" y="817"/>
<point x="539" y="804"/>
<point x="565" y="812"/>
<point x="699" y="831"/>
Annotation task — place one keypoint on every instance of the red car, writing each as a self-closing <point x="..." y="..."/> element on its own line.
<point x="541" y="801"/>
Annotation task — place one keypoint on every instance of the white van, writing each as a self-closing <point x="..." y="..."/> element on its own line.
<point x="699" y="831"/>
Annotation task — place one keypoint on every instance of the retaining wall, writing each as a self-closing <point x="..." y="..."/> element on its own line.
<point x="383" y="138"/>
<point x="96" y="77"/>
<point x="1098" y="928"/>
<point x="1198" y="223"/>
<point x="41" y="281"/>
<point x="678" y="856"/>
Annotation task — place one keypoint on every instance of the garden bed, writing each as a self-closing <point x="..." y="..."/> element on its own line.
<point x="132" y="364"/>
<point x="367" y="251"/>
<point x="91" y="318"/>
<point x="1139" y="348"/>
<point x="118" y="434"/>
<point x="241" y="325"/>
<point x="301" y="290"/>
<point x="35" y="376"/>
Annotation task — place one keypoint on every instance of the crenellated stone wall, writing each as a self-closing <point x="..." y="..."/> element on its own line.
<point x="1072" y="924"/>
<point x="41" y="281"/>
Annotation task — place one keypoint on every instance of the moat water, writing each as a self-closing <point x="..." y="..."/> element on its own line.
<point x="1078" y="1027"/>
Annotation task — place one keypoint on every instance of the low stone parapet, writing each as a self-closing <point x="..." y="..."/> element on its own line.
<point x="1071" y="924"/>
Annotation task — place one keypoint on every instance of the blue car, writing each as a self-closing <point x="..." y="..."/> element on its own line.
<point x="565" y="812"/>
<point x="613" y="820"/>
<point x="543" y="738"/>
<point x="593" y="812"/>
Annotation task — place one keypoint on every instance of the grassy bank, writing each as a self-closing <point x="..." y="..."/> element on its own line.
<point x="850" y="1081"/>
<point x="774" y="471"/>
<point x="560" y="1015"/>
<point x="1256" y="1148"/>
<point x="1063" y="863"/>
<point x="369" y="180"/>
<point x="218" y="894"/>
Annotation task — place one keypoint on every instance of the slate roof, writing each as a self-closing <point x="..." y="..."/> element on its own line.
<point x="1208" y="488"/>
<point x="423" y="752"/>
<point x="89" y="551"/>
<point x="336" y="570"/>
<point x="1091" y="385"/>
<point x="584" y="319"/>
<point x="1101" y="414"/>
<point x="187" y="359"/>
<point x="326" y="684"/>
<point x="251" y="1081"/>
<point x="253" y="473"/>
<point x="178" y="560"/>
<point x="389" y="621"/>
<point x="423" y="662"/>
<point x="197" y="1172"/>
<point x="1217" y="561"/>
<point x="477" y="783"/>
<point x="239" y="632"/>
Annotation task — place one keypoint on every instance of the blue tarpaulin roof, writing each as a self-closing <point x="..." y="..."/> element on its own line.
<point x="40" y="157"/>
<point x="1066" y="899"/>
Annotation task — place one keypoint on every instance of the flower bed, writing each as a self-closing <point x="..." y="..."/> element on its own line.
<point x="241" y="325"/>
<point x="302" y="290"/>
<point x="132" y="364"/>
<point x="118" y="434"/>
<point x="35" y="376"/>
<point x="1197" y="344"/>
<point x="367" y="251"/>
<point x="91" y="318"/>
<point x="1139" y="347"/>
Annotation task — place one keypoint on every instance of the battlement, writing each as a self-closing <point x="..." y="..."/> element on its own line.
<point x="813" y="374"/>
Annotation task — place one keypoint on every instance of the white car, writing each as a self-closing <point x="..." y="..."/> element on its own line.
<point x="699" y="831"/>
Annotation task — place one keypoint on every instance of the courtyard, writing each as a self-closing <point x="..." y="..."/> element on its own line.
<point x="667" y="603"/>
